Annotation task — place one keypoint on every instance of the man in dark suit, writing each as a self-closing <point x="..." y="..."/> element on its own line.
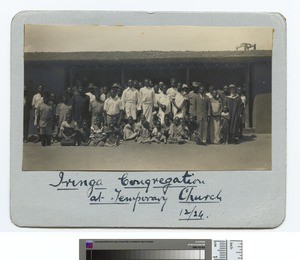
<point x="201" y="110"/>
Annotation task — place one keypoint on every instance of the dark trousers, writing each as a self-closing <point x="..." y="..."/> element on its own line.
<point x="202" y="130"/>
<point x="46" y="140"/>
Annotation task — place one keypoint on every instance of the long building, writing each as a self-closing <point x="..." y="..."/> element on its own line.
<point x="250" y="69"/>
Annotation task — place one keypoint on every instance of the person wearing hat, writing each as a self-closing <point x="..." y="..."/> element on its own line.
<point x="234" y="107"/>
<point x="146" y="103"/>
<point x="26" y="118"/>
<point x="115" y="86"/>
<point x="130" y="98"/>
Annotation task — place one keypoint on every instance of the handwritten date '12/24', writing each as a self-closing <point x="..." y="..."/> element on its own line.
<point x="192" y="214"/>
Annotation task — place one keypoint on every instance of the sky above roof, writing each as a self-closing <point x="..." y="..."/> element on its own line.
<point x="53" y="38"/>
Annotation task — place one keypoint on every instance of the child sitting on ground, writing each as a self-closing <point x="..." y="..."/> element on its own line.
<point x="69" y="132"/>
<point x="112" y="135"/>
<point x="176" y="133"/>
<point x="157" y="134"/>
<point x="84" y="134"/>
<point x="130" y="132"/>
<point x="144" y="134"/>
<point x="139" y="124"/>
<point x="96" y="136"/>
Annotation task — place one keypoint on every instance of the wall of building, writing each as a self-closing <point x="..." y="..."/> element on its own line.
<point x="261" y="82"/>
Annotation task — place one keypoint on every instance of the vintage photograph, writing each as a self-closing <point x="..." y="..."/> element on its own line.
<point x="147" y="98"/>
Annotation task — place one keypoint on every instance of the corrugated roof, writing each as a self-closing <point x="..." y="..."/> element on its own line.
<point x="151" y="56"/>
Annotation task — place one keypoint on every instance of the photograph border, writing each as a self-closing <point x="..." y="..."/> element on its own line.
<point x="258" y="195"/>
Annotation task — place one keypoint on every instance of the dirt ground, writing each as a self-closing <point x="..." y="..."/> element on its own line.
<point x="253" y="153"/>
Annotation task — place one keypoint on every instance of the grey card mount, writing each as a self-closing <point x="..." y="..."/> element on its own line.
<point x="161" y="120"/>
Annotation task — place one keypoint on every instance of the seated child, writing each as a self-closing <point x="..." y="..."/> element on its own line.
<point x="176" y="133"/>
<point x="112" y="135"/>
<point x="192" y="126"/>
<point x="139" y="124"/>
<point x="69" y="132"/>
<point x="225" y="122"/>
<point x="130" y="132"/>
<point x="84" y="134"/>
<point x="144" y="134"/>
<point x="97" y="137"/>
<point x="157" y="134"/>
<point x="185" y="128"/>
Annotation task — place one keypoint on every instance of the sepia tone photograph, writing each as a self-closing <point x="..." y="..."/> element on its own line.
<point x="147" y="98"/>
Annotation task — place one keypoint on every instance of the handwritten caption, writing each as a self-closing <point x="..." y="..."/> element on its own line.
<point x="128" y="190"/>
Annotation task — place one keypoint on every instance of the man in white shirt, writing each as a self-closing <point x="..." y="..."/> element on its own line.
<point x="130" y="99"/>
<point x="113" y="109"/>
<point x="147" y="97"/>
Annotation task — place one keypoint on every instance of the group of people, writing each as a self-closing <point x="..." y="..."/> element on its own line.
<point x="144" y="112"/>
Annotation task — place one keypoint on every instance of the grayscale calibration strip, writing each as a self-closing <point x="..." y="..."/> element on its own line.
<point x="160" y="249"/>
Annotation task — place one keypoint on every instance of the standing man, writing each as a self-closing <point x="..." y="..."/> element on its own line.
<point x="201" y="110"/>
<point x="130" y="98"/>
<point x="147" y="97"/>
<point x="113" y="109"/>
<point x="234" y="106"/>
<point x="179" y="103"/>
<point x="36" y="101"/>
<point x="223" y="94"/>
<point x="215" y="120"/>
<point x="44" y="117"/>
<point x="78" y="106"/>
<point x="192" y="95"/>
